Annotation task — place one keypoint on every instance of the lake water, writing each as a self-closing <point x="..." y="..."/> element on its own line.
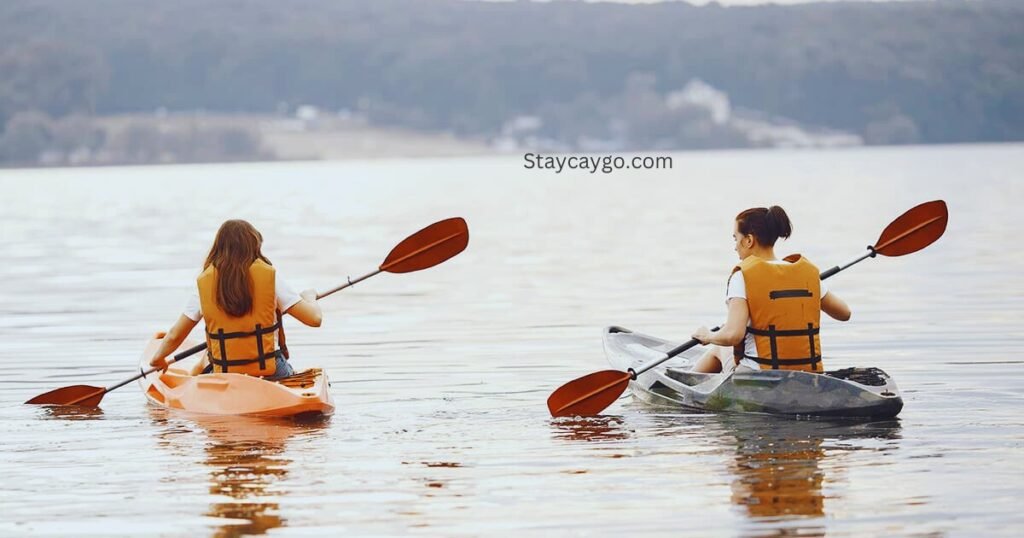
<point x="441" y="377"/>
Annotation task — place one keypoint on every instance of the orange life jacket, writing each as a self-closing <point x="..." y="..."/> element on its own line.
<point x="785" y="313"/>
<point x="245" y="344"/>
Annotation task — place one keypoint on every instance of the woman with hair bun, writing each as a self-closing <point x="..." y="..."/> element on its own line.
<point x="774" y="305"/>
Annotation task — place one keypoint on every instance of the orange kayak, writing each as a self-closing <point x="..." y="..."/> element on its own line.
<point x="305" y="393"/>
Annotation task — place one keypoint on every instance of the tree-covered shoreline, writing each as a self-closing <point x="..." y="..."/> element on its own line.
<point x="940" y="72"/>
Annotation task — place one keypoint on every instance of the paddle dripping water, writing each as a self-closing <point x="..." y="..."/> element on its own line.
<point x="914" y="230"/>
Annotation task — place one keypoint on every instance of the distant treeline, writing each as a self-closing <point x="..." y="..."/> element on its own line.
<point x="946" y="71"/>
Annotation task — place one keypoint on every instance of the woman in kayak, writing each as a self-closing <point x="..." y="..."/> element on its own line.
<point x="774" y="305"/>
<point x="241" y="297"/>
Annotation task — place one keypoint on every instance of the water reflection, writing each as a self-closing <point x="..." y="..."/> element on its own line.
<point x="247" y="462"/>
<point x="777" y="466"/>
<point x="778" y="473"/>
<point x="599" y="428"/>
<point x="70" y="412"/>
<point x="780" y="464"/>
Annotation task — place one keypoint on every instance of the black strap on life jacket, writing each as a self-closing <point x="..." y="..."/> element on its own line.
<point x="773" y="334"/>
<point x="261" y="357"/>
<point x="789" y="294"/>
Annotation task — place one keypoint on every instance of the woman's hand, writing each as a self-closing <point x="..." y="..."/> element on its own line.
<point x="309" y="295"/>
<point x="171" y="341"/>
<point x="159" y="362"/>
<point x="702" y="335"/>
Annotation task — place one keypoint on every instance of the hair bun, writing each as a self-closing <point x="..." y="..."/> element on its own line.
<point x="779" y="221"/>
<point x="766" y="224"/>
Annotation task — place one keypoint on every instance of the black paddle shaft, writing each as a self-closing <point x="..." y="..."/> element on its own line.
<point x="188" y="352"/>
<point x="870" y="254"/>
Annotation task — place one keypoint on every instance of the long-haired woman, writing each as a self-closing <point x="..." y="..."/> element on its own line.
<point x="241" y="298"/>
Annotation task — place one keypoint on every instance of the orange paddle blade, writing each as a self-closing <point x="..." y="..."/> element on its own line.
<point x="588" y="395"/>
<point x="914" y="230"/>
<point x="428" y="247"/>
<point x="83" y="395"/>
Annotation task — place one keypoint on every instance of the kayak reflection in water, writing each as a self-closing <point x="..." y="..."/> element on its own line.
<point x="242" y="298"/>
<point x="779" y="476"/>
<point x="780" y="469"/>
<point x="774" y="305"/>
<point x="249" y="460"/>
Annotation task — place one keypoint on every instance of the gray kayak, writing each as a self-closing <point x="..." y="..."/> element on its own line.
<point x="851" y="392"/>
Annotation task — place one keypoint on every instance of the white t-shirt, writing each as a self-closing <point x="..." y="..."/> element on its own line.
<point x="286" y="298"/>
<point x="738" y="289"/>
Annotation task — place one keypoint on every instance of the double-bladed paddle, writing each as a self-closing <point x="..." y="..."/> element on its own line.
<point x="591" y="394"/>
<point x="421" y="250"/>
